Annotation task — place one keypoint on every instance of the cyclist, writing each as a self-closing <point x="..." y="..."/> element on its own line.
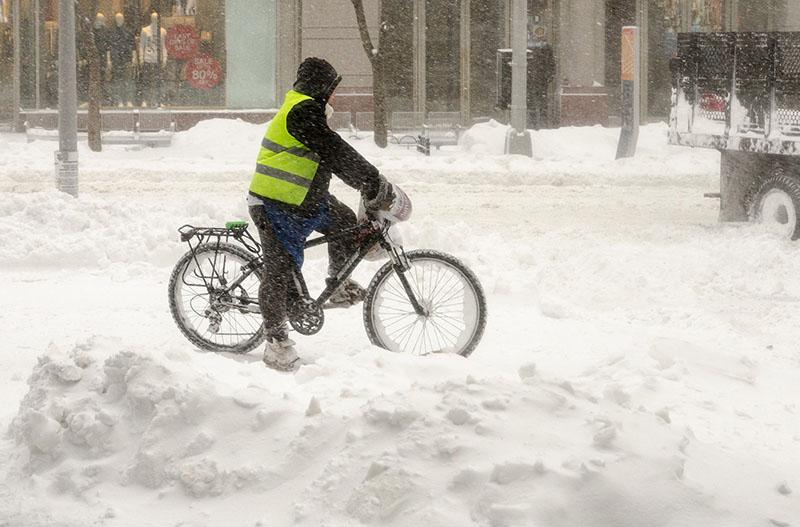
<point x="289" y="199"/>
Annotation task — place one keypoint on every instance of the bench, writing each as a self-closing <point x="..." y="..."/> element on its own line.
<point x="409" y="129"/>
<point x="405" y="127"/>
<point x="440" y="129"/>
<point x="153" y="128"/>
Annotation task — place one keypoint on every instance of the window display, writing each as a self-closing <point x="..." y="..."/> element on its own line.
<point x="152" y="61"/>
<point x="707" y="15"/>
<point x="672" y="14"/>
<point x="153" y="53"/>
<point x="122" y="51"/>
<point x="765" y="15"/>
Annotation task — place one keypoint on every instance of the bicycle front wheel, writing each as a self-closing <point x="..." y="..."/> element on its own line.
<point x="448" y="291"/>
<point x="210" y="314"/>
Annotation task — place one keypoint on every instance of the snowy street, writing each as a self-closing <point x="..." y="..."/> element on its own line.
<point x="639" y="365"/>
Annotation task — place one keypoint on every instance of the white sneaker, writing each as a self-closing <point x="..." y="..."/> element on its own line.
<point x="281" y="355"/>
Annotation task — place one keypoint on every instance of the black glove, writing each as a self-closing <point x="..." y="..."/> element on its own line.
<point x="383" y="200"/>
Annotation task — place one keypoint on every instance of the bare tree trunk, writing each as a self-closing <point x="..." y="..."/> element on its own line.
<point x="378" y="75"/>
<point x="95" y="78"/>
<point x="95" y="95"/>
<point x="379" y="96"/>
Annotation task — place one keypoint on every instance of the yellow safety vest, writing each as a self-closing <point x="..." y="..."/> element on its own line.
<point x="285" y="167"/>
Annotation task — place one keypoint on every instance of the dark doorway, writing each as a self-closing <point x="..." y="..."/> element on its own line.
<point x="487" y="35"/>
<point x="397" y="49"/>
<point x="664" y="24"/>
<point x="443" y="63"/>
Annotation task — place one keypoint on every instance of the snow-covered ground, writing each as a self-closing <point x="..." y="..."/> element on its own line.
<point x="640" y="365"/>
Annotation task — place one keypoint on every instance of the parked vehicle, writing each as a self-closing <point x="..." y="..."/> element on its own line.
<point x="739" y="93"/>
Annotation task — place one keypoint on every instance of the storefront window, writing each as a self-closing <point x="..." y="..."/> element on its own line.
<point x="664" y="24"/>
<point x="707" y="15"/>
<point x="764" y="15"/>
<point x="152" y="53"/>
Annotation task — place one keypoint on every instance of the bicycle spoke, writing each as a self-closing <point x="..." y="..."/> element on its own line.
<point x="447" y="294"/>
<point x="200" y="303"/>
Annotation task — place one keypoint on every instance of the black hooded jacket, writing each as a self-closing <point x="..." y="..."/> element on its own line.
<point x="308" y="124"/>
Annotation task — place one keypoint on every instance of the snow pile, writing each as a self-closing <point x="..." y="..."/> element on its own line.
<point x="130" y="419"/>
<point x="372" y="439"/>
<point x="581" y="155"/>
<point x="219" y="154"/>
<point x="53" y="229"/>
<point x="638" y="368"/>
<point x="220" y="139"/>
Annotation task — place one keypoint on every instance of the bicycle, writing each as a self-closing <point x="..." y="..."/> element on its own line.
<point x="419" y="302"/>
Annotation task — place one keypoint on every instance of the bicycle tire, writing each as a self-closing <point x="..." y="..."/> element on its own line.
<point x="466" y="273"/>
<point x="193" y="337"/>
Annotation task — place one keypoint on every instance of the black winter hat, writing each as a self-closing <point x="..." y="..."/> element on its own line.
<point x="317" y="78"/>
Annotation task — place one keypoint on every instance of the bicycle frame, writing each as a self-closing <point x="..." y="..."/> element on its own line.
<point x="368" y="234"/>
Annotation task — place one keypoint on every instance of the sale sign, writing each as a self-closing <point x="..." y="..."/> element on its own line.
<point x="182" y="42"/>
<point x="203" y="72"/>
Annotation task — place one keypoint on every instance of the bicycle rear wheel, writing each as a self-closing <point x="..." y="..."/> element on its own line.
<point x="212" y="318"/>
<point x="449" y="292"/>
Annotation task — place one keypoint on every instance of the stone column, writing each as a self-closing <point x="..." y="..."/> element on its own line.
<point x="16" y="14"/>
<point x="290" y="32"/>
<point x="466" y="57"/>
<point x="420" y="57"/>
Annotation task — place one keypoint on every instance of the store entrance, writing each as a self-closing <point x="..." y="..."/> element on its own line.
<point x="663" y="26"/>
<point x="443" y="61"/>
<point x="664" y="20"/>
<point x="541" y="98"/>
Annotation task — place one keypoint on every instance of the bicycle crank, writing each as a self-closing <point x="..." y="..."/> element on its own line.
<point x="306" y="317"/>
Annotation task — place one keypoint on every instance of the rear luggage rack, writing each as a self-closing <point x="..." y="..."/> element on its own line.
<point x="236" y="230"/>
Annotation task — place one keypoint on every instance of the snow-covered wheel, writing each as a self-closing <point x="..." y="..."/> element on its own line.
<point x="775" y="201"/>
<point x="445" y="287"/>
<point x="212" y="318"/>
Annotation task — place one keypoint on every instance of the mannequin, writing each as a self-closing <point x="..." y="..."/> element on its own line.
<point x="101" y="41"/>
<point x="185" y="7"/>
<point x="122" y="47"/>
<point x="148" y="59"/>
<point x="148" y="53"/>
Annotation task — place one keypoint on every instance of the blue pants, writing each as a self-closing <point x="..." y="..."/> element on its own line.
<point x="293" y="231"/>
<point x="283" y="236"/>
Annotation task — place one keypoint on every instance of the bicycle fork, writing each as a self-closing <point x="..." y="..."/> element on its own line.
<point x="401" y="265"/>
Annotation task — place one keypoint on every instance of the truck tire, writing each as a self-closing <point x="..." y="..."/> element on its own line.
<point x="776" y="199"/>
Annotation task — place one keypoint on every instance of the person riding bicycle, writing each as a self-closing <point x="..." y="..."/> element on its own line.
<point x="289" y="199"/>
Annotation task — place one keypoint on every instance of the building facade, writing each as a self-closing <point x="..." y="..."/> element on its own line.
<point x="208" y="54"/>
<point x="232" y="55"/>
